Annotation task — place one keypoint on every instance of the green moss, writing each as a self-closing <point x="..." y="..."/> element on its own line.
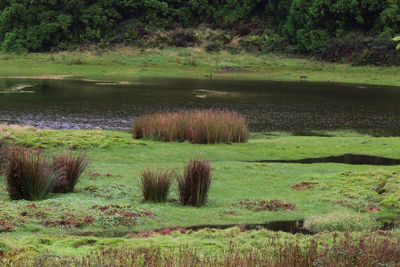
<point x="365" y="191"/>
<point x="342" y="222"/>
<point x="70" y="139"/>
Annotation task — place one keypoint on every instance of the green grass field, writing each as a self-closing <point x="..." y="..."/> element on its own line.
<point x="129" y="64"/>
<point x="109" y="189"/>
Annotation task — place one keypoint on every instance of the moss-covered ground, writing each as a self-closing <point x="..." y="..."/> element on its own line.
<point x="106" y="208"/>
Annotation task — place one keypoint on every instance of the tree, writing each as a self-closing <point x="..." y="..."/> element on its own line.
<point x="397" y="39"/>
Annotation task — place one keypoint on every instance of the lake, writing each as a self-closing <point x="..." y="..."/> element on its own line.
<point x="299" y="107"/>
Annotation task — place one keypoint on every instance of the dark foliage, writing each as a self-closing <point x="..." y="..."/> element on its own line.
<point x="29" y="175"/>
<point x="306" y="25"/>
<point x="155" y="185"/>
<point x="70" y="168"/>
<point x="311" y="25"/>
<point x="184" y="39"/>
<point x="361" y="50"/>
<point x="194" y="184"/>
<point x="214" y="46"/>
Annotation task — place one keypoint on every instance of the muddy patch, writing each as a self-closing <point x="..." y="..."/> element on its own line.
<point x="353" y="159"/>
<point x="19" y="89"/>
<point x="231" y="69"/>
<point x="265" y="205"/>
<point x="305" y="186"/>
<point x="68" y="216"/>
<point x="389" y="223"/>
<point x="292" y="226"/>
<point x="42" y="77"/>
<point x="204" y="93"/>
<point x="105" y="83"/>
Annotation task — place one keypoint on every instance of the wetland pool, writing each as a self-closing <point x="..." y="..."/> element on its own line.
<point x="298" y="107"/>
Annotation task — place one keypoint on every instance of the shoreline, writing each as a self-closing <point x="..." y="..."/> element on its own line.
<point x="130" y="64"/>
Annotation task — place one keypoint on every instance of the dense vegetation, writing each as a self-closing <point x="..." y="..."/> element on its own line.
<point x="371" y="249"/>
<point x="359" y="31"/>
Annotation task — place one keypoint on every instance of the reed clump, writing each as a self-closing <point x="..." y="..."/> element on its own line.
<point x="29" y="175"/>
<point x="197" y="126"/>
<point x="70" y="168"/>
<point x="194" y="184"/>
<point x="155" y="184"/>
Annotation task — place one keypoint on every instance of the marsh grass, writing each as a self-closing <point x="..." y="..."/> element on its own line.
<point x="71" y="168"/>
<point x="198" y="126"/>
<point x="155" y="184"/>
<point x="342" y="222"/>
<point x="194" y="184"/>
<point x="29" y="175"/>
<point x="369" y="250"/>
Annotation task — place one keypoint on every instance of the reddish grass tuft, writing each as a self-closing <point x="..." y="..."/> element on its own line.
<point x="4" y="152"/>
<point x="5" y="226"/>
<point x="194" y="184"/>
<point x="155" y="185"/>
<point x="199" y="127"/>
<point x="29" y="176"/>
<point x="71" y="168"/>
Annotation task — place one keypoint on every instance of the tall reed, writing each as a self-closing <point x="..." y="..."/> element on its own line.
<point x="155" y="184"/>
<point x="29" y="175"/>
<point x="198" y="126"/>
<point x="194" y="184"/>
<point x="71" y="168"/>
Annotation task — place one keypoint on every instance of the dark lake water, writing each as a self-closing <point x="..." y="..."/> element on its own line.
<point x="299" y="107"/>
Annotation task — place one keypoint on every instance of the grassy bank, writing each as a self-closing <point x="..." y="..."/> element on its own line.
<point x="128" y="64"/>
<point x="107" y="206"/>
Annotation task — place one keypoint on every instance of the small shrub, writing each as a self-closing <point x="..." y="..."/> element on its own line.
<point x="194" y="184"/>
<point x="214" y="46"/>
<point x="71" y="168"/>
<point x="29" y="176"/>
<point x="397" y="39"/>
<point x="265" y="43"/>
<point x="155" y="185"/>
<point x="192" y="61"/>
<point x="200" y="127"/>
<point x="341" y="222"/>
<point x="184" y="38"/>
<point x="361" y="50"/>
